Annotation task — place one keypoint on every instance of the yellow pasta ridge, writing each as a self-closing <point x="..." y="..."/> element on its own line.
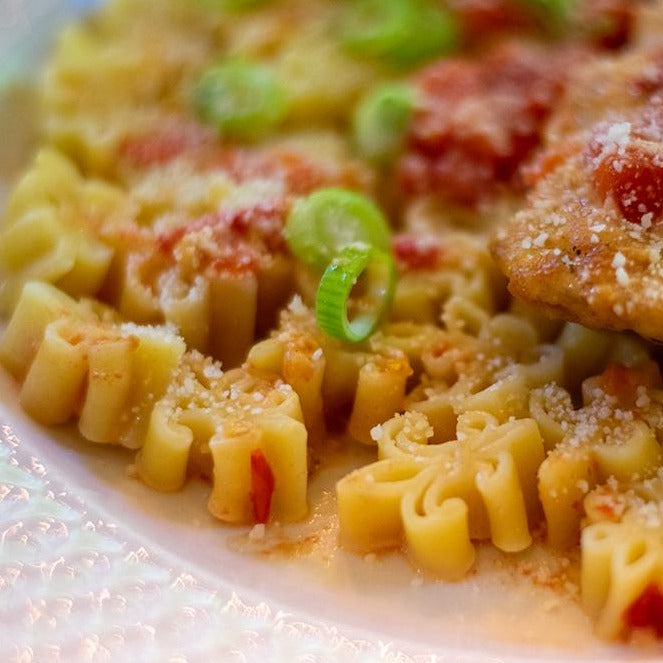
<point x="51" y="230"/>
<point x="622" y="552"/>
<point x="588" y="446"/>
<point x="209" y="423"/>
<point x="72" y="364"/>
<point x="436" y="499"/>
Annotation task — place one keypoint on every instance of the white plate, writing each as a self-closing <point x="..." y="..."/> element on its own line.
<point x="96" y="567"/>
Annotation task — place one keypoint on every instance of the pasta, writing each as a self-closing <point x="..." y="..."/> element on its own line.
<point x="481" y="485"/>
<point x="159" y="294"/>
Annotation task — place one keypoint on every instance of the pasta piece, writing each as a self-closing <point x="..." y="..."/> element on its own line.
<point x="222" y="421"/>
<point x="71" y="363"/>
<point x="622" y="556"/>
<point x="482" y="363"/>
<point x="51" y="229"/>
<point x="607" y="437"/>
<point x="329" y="376"/>
<point x="39" y="305"/>
<point x="437" y="498"/>
<point x="386" y="376"/>
<point x="431" y="272"/>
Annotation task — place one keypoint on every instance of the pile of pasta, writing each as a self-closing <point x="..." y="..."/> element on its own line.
<point x="152" y="295"/>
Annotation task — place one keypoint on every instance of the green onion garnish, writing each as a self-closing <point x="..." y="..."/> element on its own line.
<point x="334" y="292"/>
<point x="321" y="224"/>
<point x="403" y="33"/>
<point x="381" y="121"/>
<point x="242" y="99"/>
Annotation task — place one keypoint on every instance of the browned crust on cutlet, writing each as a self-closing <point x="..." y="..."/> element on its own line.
<point x="562" y="253"/>
<point x="569" y="251"/>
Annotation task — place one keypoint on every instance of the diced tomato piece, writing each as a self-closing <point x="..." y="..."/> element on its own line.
<point x="163" y="145"/>
<point x="627" y="162"/>
<point x="262" y="486"/>
<point x="647" y="610"/>
<point x="478" y="120"/>
<point x="623" y="381"/>
<point x="610" y="22"/>
<point x="236" y="240"/>
<point x="635" y="181"/>
<point x="413" y="254"/>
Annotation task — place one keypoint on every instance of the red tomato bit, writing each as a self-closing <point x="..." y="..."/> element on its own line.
<point x="647" y="610"/>
<point x="162" y="145"/>
<point x="623" y="381"/>
<point x="262" y="486"/>
<point x="627" y="163"/>
<point x="478" y="120"/>
<point x="412" y="253"/>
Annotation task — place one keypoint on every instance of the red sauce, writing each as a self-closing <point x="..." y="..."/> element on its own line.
<point x="630" y="170"/>
<point x="623" y="381"/>
<point x="162" y="145"/>
<point x="237" y="240"/>
<point x="478" y="120"/>
<point x="262" y="486"/>
<point x="647" y="610"/>
<point x="412" y="253"/>
<point x="299" y="173"/>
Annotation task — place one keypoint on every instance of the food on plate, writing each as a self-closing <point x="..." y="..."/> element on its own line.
<point x="264" y="232"/>
<point x="587" y="243"/>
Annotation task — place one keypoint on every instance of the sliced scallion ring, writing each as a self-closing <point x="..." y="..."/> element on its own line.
<point x="321" y="224"/>
<point x="402" y="33"/>
<point x="381" y="121"/>
<point x="242" y="99"/>
<point x="334" y="296"/>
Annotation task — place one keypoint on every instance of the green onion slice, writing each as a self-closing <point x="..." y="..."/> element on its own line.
<point x="381" y="121"/>
<point x="403" y="33"/>
<point x="242" y="99"/>
<point x="334" y="292"/>
<point x="321" y="224"/>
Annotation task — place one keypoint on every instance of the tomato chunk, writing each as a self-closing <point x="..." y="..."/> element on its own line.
<point x="412" y="253"/>
<point x="647" y="610"/>
<point x="162" y="145"/>
<point x="623" y="381"/>
<point x="627" y="162"/>
<point x="262" y="486"/>
<point x="477" y="120"/>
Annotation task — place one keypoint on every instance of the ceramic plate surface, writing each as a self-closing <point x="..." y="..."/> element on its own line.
<point x="95" y="567"/>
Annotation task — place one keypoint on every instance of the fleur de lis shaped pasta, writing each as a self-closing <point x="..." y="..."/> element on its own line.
<point x="437" y="498"/>
<point x="622" y="555"/>
<point x="50" y="230"/>
<point x="587" y="446"/>
<point x="482" y="363"/>
<point x="210" y="423"/>
<point x="136" y="385"/>
<point x="329" y="375"/>
<point x="74" y="359"/>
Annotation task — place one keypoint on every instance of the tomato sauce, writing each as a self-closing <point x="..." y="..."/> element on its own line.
<point x="627" y="163"/>
<point x="478" y="120"/>
<point x="647" y="610"/>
